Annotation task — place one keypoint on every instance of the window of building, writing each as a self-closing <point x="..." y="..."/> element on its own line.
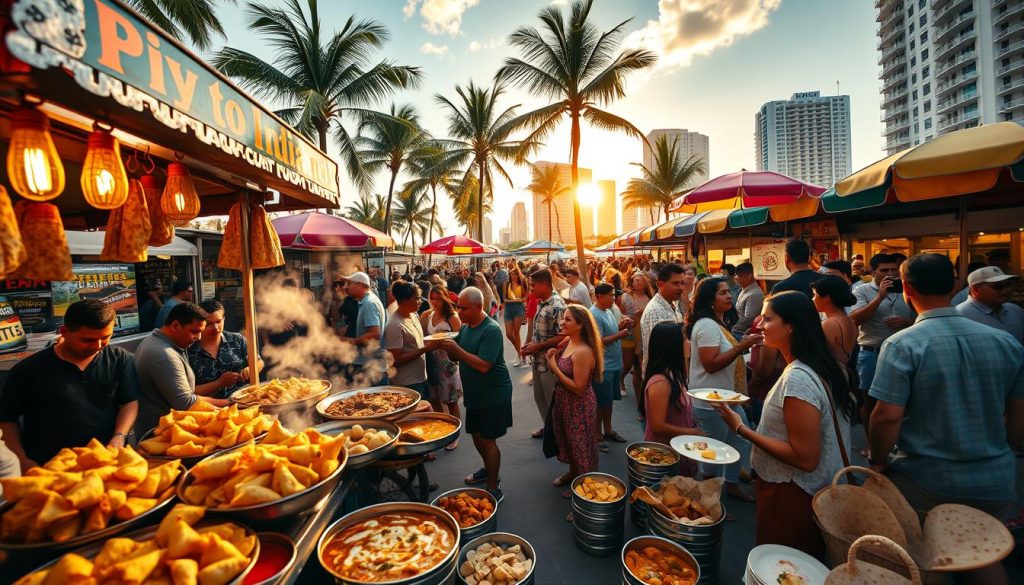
<point x="927" y="89"/>
<point x="910" y="10"/>
<point x="925" y="71"/>
<point x="913" y="78"/>
<point x="913" y="95"/>
<point x="927" y="106"/>
<point x="915" y="111"/>
<point x="911" y="29"/>
<point x="923" y="20"/>
<point x="927" y="123"/>
<point x="913" y="44"/>
<point x="921" y="3"/>
<point x="969" y="69"/>
<point x="917" y="128"/>
<point x="924" y="37"/>
<point x="924" y="55"/>
<point x="913" y="61"/>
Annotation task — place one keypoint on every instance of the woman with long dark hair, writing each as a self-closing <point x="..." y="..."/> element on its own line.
<point x="443" y="382"/>
<point x="832" y="296"/>
<point x="663" y="403"/>
<point x="796" y="449"/>
<point x="716" y="362"/>
<point x="633" y="302"/>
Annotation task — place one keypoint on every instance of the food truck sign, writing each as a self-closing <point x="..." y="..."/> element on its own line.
<point x="113" y="53"/>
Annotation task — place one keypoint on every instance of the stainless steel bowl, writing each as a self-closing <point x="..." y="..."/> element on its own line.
<point x="283" y="540"/>
<point x="89" y="552"/>
<point x="363" y="459"/>
<point x="277" y="408"/>
<point x="488" y="525"/>
<point x="651" y="467"/>
<point x="438" y="575"/>
<point x="288" y="506"/>
<point x="393" y="416"/>
<point x="114" y="529"/>
<point x="502" y="538"/>
<point x="187" y="462"/>
<point x="412" y="449"/>
<point x="628" y="578"/>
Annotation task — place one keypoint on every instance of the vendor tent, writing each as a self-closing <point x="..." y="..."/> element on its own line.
<point x="91" y="244"/>
<point x="319" y="231"/>
<point x="457" y="246"/>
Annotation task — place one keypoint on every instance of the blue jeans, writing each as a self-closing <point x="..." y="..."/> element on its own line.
<point x="713" y="426"/>
<point x="866" y="362"/>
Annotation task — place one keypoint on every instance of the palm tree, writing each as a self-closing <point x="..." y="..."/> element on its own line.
<point x="668" y="177"/>
<point x="390" y="141"/>
<point x="481" y="138"/>
<point x="429" y="171"/>
<point x="546" y="182"/>
<point x="465" y="195"/>
<point x="412" y="211"/>
<point x="574" y="64"/>
<point x="323" y="78"/>
<point x="191" y="21"/>
<point x="367" y="211"/>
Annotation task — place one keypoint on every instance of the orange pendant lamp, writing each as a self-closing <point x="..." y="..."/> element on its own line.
<point x="180" y="202"/>
<point x="104" y="179"/>
<point x="33" y="166"/>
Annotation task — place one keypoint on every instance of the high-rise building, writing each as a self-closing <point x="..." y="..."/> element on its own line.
<point x="563" y="226"/>
<point x="688" y="144"/>
<point x="806" y="137"/>
<point x="504" y="236"/>
<point x="519" y="225"/>
<point x="629" y="218"/>
<point x="948" y="65"/>
<point x="488" y="237"/>
<point x="606" y="208"/>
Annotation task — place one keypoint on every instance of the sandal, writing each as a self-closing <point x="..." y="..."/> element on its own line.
<point x="603" y="447"/>
<point x="478" y="476"/>
<point x="539" y="434"/>
<point x="615" y="436"/>
<point x="569" y="517"/>
<point x="452" y="447"/>
<point x="562" y="480"/>
<point x="567" y="494"/>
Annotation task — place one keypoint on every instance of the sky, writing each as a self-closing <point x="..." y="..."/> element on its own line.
<point x="719" y="62"/>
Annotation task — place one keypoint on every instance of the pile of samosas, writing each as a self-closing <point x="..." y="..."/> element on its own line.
<point x="282" y="464"/>
<point x="181" y="553"/>
<point x="204" y="428"/>
<point x="82" y="490"/>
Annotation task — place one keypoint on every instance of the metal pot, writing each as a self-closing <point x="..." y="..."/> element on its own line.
<point x="641" y="542"/>
<point x="279" y="408"/>
<point x="503" y="538"/>
<point x="393" y="416"/>
<point x="598" y="525"/>
<point x="703" y="543"/>
<point x="288" y="506"/>
<point x="363" y="459"/>
<point x="440" y="574"/>
<point x="413" y="449"/>
<point x="487" y="526"/>
<point x="640" y="474"/>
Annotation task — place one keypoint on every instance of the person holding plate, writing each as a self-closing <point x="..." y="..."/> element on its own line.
<point x="799" y="444"/>
<point x="443" y="381"/>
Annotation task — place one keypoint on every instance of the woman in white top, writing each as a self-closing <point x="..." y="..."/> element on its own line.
<point x="443" y="381"/>
<point x="716" y="362"/>
<point x="796" y="448"/>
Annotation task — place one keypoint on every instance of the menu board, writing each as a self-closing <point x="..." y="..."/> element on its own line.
<point x="114" y="284"/>
<point x="26" y="317"/>
<point x="769" y="261"/>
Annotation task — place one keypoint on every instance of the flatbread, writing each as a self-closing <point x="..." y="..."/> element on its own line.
<point x="961" y="538"/>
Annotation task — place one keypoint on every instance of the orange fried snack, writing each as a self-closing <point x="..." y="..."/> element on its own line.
<point x="82" y="490"/>
<point x="203" y="429"/>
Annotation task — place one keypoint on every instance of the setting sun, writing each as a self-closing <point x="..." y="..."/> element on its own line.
<point x="588" y="194"/>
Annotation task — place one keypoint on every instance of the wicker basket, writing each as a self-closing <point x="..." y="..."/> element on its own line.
<point x="855" y="572"/>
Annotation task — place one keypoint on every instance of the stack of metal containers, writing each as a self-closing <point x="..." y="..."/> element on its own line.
<point x="647" y="474"/>
<point x="599" y="526"/>
<point x="704" y="542"/>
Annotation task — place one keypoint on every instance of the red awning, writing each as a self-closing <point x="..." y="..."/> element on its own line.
<point x="456" y="246"/>
<point x="319" y="231"/>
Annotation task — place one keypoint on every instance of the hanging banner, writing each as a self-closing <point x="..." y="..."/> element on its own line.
<point x="114" y="284"/>
<point x="26" y="317"/>
<point x="769" y="261"/>
<point x="113" y="53"/>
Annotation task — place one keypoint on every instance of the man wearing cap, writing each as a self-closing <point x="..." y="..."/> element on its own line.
<point x="182" y="292"/>
<point x="989" y="301"/>
<point x="370" y="320"/>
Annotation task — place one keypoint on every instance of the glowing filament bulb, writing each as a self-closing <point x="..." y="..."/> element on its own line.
<point x="37" y="171"/>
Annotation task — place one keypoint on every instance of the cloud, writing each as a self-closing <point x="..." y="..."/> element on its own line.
<point x="475" y="46"/>
<point x="432" y="49"/>
<point x="686" y="28"/>
<point x="439" y="16"/>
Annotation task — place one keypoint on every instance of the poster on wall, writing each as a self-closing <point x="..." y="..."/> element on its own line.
<point x="114" y="284"/>
<point x="769" y="261"/>
<point x="26" y="317"/>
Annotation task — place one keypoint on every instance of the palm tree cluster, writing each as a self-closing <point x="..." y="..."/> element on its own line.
<point x="667" y="178"/>
<point x="328" y="82"/>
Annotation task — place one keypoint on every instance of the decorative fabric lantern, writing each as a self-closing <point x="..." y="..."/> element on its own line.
<point x="180" y="202"/>
<point x="33" y="166"/>
<point x="128" y="228"/>
<point x="265" y="245"/>
<point x="42" y="232"/>
<point x="104" y="180"/>
<point x="161" y="229"/>
<point x="231" y="246"/>
<point x="12" y="250"/>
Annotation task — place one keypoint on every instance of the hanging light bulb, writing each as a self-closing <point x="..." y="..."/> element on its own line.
<point x="104" y="180"/>
<point x="180" y="202"/>
<point x="35" y="170"/>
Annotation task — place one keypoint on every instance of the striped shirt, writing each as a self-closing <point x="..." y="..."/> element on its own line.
<point x="953" y="377"/>
<point x="658" y="310"/>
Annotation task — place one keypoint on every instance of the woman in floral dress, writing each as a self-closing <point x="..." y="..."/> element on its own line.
<point x="576" y="362"/>
<point x="443" y="380"/>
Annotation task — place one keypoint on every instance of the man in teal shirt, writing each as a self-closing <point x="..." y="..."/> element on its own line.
<point x="486" y="385"/>
<point x="612" y="328"/>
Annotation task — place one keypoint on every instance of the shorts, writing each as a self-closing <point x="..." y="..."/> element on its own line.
<point x="490" y="422"/>
<point x="420" y="387"/>
<point x="922" y="500"/>
<point x="866" y="362"/>
<point x="607" y="390"/>
<point x="513" y="311"/>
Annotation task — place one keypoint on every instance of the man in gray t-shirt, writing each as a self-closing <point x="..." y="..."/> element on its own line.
<point x="879" y="311"/>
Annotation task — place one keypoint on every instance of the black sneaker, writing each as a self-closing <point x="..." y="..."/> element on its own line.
<point x="498" y="494"/>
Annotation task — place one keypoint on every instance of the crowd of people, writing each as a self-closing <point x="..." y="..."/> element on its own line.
<point x="938" y="385"/>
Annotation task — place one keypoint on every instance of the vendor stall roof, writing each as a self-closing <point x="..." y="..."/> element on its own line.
<point x="91" y="244"/>
<point x="109" y="65"/>
<point x="320" y="231"/>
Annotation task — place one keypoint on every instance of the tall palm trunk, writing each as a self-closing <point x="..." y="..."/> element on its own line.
<point x="581" y="260"/>
<point x="480" y="212"/>
<point x="433" y="212"/>
<point x="558" y="223"/>
<point x="550" y="225"/>
<point x="387" y="212"/>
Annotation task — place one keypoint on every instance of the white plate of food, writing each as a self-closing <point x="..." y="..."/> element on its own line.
<point x="705" y="450"/>
<point x="717" y="395"/>
<point x="773" y="563"/>
<point x="441" y="336"/>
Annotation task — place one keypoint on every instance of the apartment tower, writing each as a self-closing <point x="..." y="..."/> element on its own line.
<point x="563" y="227"/>
<point x="688" y="144"/>
<point x="806" y="137"/>
<point x="520" y="228"/>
